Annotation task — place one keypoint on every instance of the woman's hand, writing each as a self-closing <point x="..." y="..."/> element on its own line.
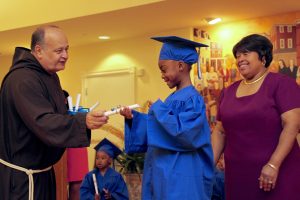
<point x="218" y="140"/>
<point x="268" y="177"/>
<point x="269" y="173"/>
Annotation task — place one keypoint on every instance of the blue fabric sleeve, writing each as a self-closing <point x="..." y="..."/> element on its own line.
<point x="87" y="191"/>
<point x="120" y="192"/>
<point x="186" y="130"/>
<point x="136" y="133"/>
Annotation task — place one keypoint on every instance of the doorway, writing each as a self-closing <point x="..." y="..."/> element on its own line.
<point x="110" y="89"/>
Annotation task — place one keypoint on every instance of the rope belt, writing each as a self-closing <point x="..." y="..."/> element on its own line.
<point x="29" y="172"/>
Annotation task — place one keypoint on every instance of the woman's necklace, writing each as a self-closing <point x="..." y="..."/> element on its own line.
<point x="255" y="81"/>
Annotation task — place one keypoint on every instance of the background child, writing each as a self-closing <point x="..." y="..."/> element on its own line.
<point x="175" y="133"/>
<point x="110" y="183"/>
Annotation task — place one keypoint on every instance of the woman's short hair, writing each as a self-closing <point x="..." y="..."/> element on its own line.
<point x="257" y="43"/>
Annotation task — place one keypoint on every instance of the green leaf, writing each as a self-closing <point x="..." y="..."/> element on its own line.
<point x="131" y="163"/>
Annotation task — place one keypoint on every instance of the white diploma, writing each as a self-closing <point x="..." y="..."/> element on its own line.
<point x="117" y="110"/>
<point x="95" y="183"/>
<point x="77" y="102"/>
<point x="94" y="106"/>
<point x="70" y="103"/>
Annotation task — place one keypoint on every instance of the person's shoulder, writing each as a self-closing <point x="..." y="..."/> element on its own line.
<point x="276" y="76"/>
<point x="234" y="84"/>
<point x="184" y="93"/>
<point x="277" y="83"/>
<point x="89" y="175"/>
<point x="93" y="171"/>
<point x="193" y="90"/>
<point x="21" y="77"/>
<point x="193" y="93"/>
<point x="113" y="172"/>
<point x="280" y="78"/>
<point x="23" y="74"/>
<point x="231" y="87"/>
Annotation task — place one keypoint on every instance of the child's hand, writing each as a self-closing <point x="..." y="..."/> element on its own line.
<point x="107" y="194"/>
<point x="97" y="197"/>
<point x="150" y="103"/>
<point x="126" y="112"/>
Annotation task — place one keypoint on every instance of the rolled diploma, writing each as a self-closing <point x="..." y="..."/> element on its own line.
<point x="77" y="102"/>
<point x="95" y="183"/>
<point x="94" y="106"/>
<point x="70" y="103"/>
<point x="111" y="112"/>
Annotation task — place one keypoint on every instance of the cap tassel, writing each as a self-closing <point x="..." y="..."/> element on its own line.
<point x="198" y="66"/>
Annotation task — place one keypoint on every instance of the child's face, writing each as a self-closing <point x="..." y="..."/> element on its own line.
<point x="103" y="160"/>
<point x="170" y="72"/>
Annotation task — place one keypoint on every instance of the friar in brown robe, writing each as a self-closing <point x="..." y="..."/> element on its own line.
<point x="35" y="128"/>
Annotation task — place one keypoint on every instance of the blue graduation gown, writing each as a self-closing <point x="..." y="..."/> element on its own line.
<point x="112" y="181"/>
<point x="218" y="185"/>
<point x="176" y="136"/>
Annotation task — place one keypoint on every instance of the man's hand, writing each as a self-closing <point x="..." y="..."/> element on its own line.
<point x="95" y="119"/>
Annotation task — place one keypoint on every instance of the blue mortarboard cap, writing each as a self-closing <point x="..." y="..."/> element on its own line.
<point x="179" y="49"/>
<point x="105" y="145"/>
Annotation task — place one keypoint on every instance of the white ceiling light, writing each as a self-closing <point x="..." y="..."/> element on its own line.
<point x="104" y="37"/>
<point x="214" y="21"/>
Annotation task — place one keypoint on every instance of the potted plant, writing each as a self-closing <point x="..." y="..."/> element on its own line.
<point x="131" y="166"/>
<point x="131" y="163"/>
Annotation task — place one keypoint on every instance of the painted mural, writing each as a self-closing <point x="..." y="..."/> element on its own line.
<point x="219" y="69"/>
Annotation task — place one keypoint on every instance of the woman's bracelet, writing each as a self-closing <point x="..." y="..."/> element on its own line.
<point x="272" y="166"/>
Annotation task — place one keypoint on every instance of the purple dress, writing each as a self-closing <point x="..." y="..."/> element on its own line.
<point x="252" y="126"/>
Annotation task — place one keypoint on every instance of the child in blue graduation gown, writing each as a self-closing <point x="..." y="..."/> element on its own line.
<point x="110" y="183"/>
<point x="175" y="133"/>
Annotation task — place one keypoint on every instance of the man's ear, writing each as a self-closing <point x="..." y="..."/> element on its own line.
<point x="38" y="50"/>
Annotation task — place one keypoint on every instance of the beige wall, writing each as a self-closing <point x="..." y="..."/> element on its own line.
<point x="5" y="63"/>
<point x="139" y="52"/>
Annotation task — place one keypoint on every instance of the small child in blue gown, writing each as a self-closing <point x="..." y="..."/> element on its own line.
<point x="111" y="184"/>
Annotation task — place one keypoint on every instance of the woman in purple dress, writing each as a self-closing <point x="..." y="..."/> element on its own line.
<point x="258" y="120"/>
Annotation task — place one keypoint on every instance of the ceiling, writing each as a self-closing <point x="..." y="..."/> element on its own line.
<point x="84" y="20"/>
